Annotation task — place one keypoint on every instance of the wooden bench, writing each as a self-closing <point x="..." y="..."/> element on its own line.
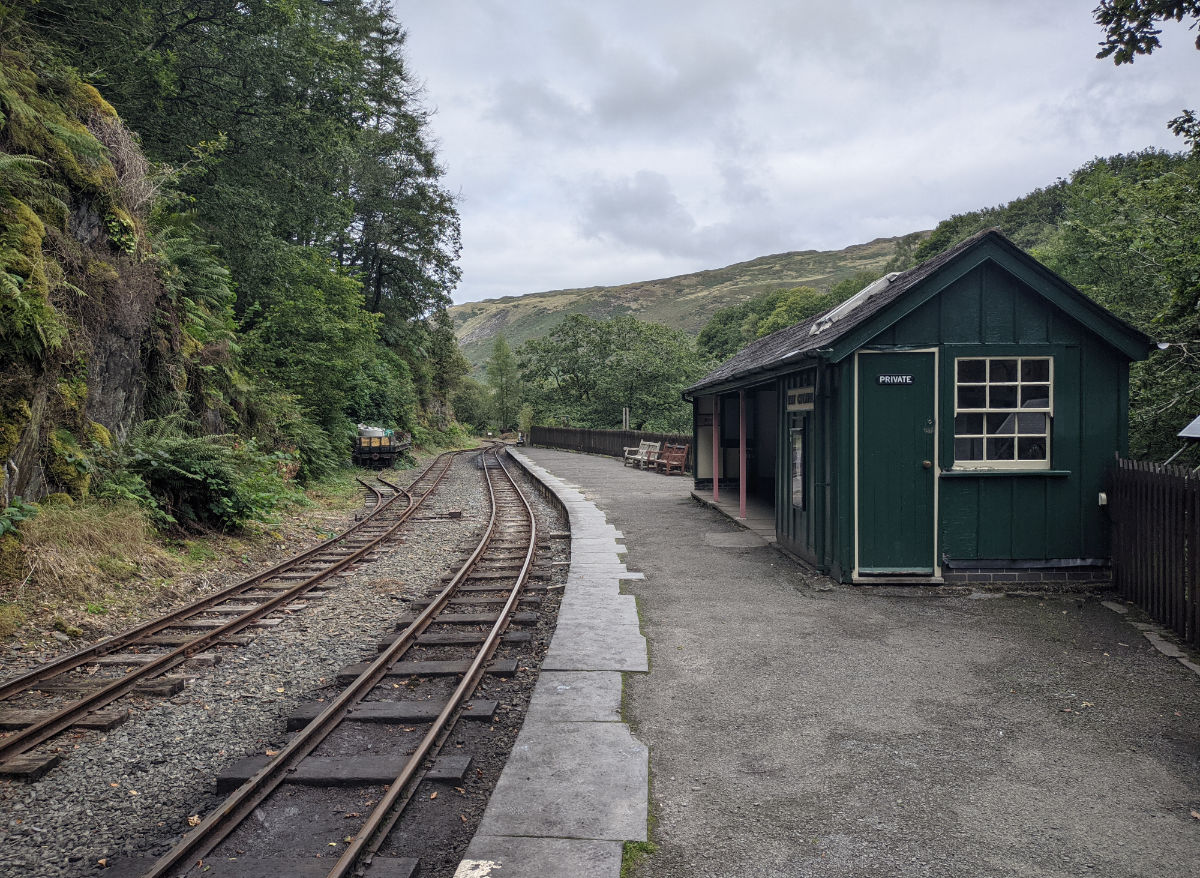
<point x="642" y="456"/>
<point x="672" y="458"/>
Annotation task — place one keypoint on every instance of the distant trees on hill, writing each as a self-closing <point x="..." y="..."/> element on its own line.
<point x="731" y="329"/>
<point x="587" y="370"/>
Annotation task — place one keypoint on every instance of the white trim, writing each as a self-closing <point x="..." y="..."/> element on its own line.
<point x="854" y="468"/>
<point x="937" y="435"/>
<point x="1021" y="464"/>
<point x="855" y="574"/>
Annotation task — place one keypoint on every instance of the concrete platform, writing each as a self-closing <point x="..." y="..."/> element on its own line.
<point x="806" y="729"/>
<point x="575" y="788"/>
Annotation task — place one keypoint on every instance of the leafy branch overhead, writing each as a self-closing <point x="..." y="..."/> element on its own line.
<point x="1131" y="28"/>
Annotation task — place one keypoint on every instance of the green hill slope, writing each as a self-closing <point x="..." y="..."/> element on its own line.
<point x="685" y="302"/>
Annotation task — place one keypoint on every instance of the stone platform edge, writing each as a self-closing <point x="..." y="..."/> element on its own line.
<point x="576" y="786"/>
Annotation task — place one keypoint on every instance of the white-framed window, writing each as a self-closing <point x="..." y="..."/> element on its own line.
<point x="1003" y="408"/>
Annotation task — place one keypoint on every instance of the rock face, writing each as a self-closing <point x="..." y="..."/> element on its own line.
<point x="122" y="345"/>
<point x="63" y="406"/>
<point x="115" y="343"/>
<point x="87" y="329"/>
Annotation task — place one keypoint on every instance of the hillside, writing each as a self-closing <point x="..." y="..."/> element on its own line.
<point x="684" y="302"/>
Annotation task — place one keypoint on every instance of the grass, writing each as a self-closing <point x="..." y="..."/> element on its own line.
<point x="77" y="551"/>
<point x="12" y="618"/>
<point x="92" y="568"/>
<point x="633" y="853"/>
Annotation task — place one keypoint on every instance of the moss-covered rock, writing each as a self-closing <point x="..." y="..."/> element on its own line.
<point x="116" y="568"/>
<point x="12" y="559"/>
<point x="73" y="393"/>
<point x="61" y="624"/>
<point x="14" y="416"/>
<point x="98" y="435"/>
<point x="68" y="464"/>
<point x="122" y="230"/>
<point x="88" y="96"/>
<point x="11" y="618"/>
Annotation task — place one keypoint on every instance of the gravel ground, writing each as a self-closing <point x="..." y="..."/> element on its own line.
<point x="803" y="728"/>
<point x="133" y="792"/>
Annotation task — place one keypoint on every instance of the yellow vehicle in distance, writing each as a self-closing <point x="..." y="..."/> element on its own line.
<point x="377" y="448"/>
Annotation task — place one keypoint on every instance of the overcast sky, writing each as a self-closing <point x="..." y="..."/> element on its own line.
<point x="607" y="142"/>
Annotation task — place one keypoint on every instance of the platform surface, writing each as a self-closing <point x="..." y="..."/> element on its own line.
<point x="799" y="727"/>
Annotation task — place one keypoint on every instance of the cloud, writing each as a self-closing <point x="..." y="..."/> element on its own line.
<point x="640" y="211"/>
<point x="621" y="141"/>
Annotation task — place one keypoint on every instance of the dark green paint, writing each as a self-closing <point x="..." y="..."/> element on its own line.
<point x="990" y="304"/>
<point x="895" y="477"/>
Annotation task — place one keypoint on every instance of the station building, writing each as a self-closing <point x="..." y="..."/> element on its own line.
<point x="954" y="422"/>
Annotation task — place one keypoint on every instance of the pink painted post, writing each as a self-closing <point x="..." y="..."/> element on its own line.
<point x="716" y="443"/>
<point x="741" y="454"/>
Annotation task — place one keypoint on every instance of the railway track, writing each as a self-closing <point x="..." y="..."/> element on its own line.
<point x="85" y="683"/>
<point x="329" y="802"/>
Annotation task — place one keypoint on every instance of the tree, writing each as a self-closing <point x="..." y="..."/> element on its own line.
<point x="732" y="328"/>
<point x="1130" y="29"/>
<point x="504" y="379"/>
<point x="472" y="403"/>
<point x="294" y="134"/>
<point x="1131" y="240"/>
<point x="794" y="306"/>
<point x="313" y="337"/>
<point x="586" y="370"/>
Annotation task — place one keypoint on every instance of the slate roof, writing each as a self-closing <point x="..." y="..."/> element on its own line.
<point x="795" y="342"/>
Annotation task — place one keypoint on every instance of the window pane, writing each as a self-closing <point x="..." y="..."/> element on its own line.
<point x="1002" y="396"/>
<point x="968" y="449"/>
<point x="1035" y="396"/>
<point x="972" y="370"/>
<point x="972" y="397"/>
<point x="1000" y="449"/>
<point x="1035" y="370"/>
<point x="1002" y="370"/>
<point x="968" y="424"/>
<point x="1031" y="424"/>
<point x="1001" y="424"/>
<point x="1031" y="448"/>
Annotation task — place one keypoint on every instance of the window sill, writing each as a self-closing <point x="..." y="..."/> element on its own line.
<point x="992" y="473"/>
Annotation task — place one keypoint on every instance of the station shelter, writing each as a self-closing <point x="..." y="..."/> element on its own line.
<point x="954" y="422"/>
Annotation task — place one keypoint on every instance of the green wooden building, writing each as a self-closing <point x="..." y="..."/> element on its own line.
<point x="953" y="422"/>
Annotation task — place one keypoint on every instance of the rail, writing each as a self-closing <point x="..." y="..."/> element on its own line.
<point x="367" y="841"/>
<point x="55" y="723"/>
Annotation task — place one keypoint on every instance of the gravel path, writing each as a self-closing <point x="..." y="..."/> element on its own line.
<point x="134" y="792"/>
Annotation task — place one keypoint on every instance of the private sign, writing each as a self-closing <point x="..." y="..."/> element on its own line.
<point x="895" y="379"/>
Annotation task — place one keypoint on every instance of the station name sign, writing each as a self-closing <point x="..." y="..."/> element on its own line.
<point x="800" y="399"/>
<point x="895" y="379"/>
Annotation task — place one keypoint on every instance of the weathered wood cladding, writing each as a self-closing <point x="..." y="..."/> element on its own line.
<point x="983" y="300"/>
<point x="1045" y="515"/>
<point x="1035" y="516"/>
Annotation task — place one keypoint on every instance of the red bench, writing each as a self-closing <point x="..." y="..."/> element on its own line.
<point x="673" y="458"/>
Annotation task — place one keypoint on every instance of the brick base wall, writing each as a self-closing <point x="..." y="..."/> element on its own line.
<point x="1038" y="576"/>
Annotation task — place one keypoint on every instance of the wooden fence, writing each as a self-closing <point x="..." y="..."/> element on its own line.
<point x="1156" y="542"/>
<point x="610" y="442"/>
